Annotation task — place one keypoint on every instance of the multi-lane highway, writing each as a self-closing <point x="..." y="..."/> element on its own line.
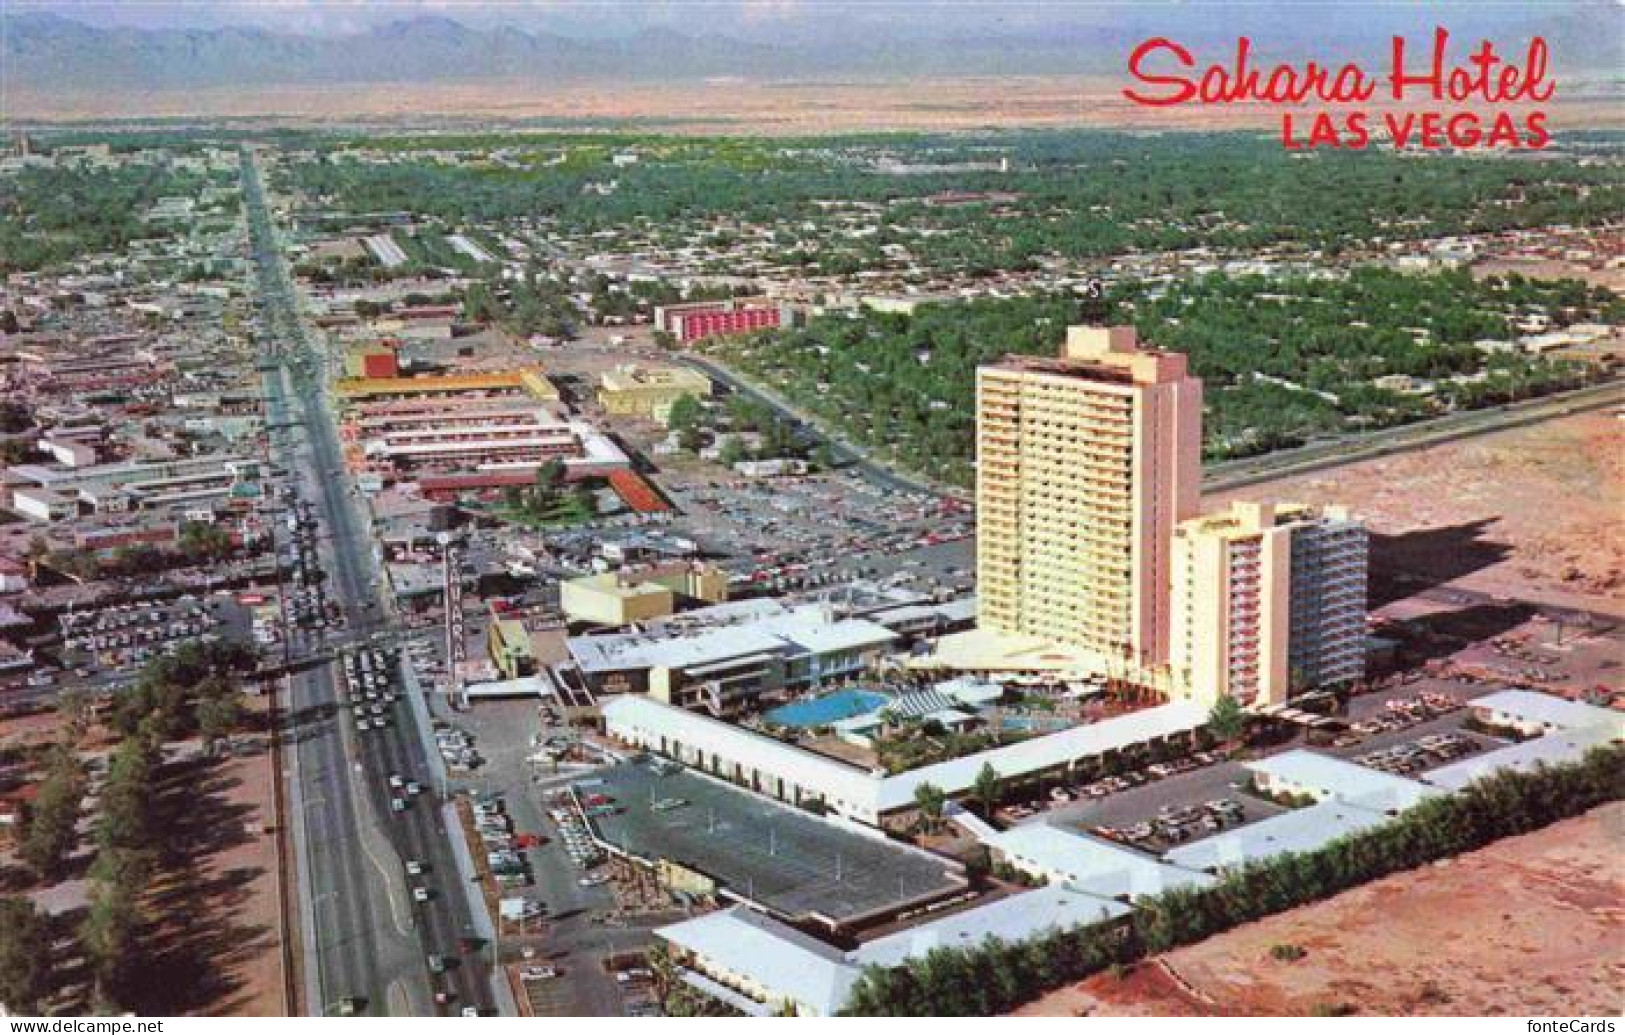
<point x="1319" y="456"/>
<point x="1234" y="474"/>
<point x="368" y="938"/>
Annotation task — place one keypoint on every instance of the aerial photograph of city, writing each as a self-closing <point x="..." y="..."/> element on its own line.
<point x="811" y="508"/>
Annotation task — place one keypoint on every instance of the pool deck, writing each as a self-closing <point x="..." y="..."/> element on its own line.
<point x="827" y="710"/>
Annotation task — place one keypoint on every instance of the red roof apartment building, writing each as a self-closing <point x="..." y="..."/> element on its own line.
<point x="694" y="321"/>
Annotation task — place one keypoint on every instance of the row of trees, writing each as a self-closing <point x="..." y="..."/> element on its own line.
<point x="193" y="691"/>
<point x="994" y="977"/>
<point x="129" y="845"/>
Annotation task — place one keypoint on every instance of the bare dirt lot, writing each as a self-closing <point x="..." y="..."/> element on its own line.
<point x="212" y="943"/>
<point x="723" y="105"/>
<point x="1530" y="925"/>
<point x="1531" y="513"/>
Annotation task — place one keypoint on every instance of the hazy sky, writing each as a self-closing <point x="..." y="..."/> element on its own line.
<point x="803" y="19"/>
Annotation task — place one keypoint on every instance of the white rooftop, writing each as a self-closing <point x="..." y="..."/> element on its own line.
<point x="1554" y="748"/>
<point x="836" y="779"/>
<point x="1014" y="919"/>
<point x="773" y="955"/>
<point x="871" y="794"/>
<point x="1301" y="830"/>
<point x="795" y="966"/>
<point x="1046" y="752"/>
<point x="1532" y="706"/>
<point x="1093" y="865"/>
<point x="1327" y="777"/>
<point x="804" y="630"/>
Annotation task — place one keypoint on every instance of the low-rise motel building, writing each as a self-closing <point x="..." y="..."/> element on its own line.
<point x="762" y="966"/>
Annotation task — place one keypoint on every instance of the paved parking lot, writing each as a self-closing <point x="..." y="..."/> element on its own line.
<point x="801" y="533"/>
<point x="580" y="927"/>
<point x="1141" y="804"/>
<point x="788" y="860"/>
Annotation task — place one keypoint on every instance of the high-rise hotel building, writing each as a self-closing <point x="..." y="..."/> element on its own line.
<point x="1269" y="600"/>
<point x="1085" y="465"/>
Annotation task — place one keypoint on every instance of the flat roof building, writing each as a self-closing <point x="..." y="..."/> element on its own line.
<point x="1268" y="601"/>
<point x="635" y="391"/>
<point x="1533" y="712"/>
<point x="790" y="773"/>
<point x="758" y="965"/>
<point x="723" y="667"/>
<point x="1325" y="777"/>
<point x="1085" y="463"/>
<point x="1300" y="830"/>
<point x="1089" y="864"/>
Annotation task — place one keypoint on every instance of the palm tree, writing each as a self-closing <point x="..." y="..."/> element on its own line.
<point x="929" y="799"/>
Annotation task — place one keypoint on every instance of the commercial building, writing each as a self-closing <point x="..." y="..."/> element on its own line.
<point x="762" y="966"/>
<point x="1298" y="830"/>
<point x="1531" y="713"/>
<point x="509" y="647"/>
<point x="1268" y="600"/>
<point x="640" y="594"/>
<point x="1085" y="464"/>
<point x="527" y="380"/>
<point x="613" y="600"/>
<point x="42" y="504"/>
<point x="1557" y="747"/>
<point x="1327" y="778"/>
<point x="724" y="666"/>
<point x="130" y="485"/>
<point x="634" y="391"/>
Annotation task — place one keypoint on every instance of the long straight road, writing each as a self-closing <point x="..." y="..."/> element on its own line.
<point x="367" y="936"/>
<point x="1232" y="474"/>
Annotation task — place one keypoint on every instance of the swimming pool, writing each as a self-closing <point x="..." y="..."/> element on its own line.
<point x="1029" y="724"/>
<point x="831" y="708"/>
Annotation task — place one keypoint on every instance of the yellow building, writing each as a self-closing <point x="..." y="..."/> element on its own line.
<point x="1269" y="600"/>
<point x="622" y="598"/>
<point x="1085" y="464"/>
<point x="608" y="600"/>
<point x="508" y="643"/>
<point x="530" y="380"/>
<point x="633" y="391"/>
